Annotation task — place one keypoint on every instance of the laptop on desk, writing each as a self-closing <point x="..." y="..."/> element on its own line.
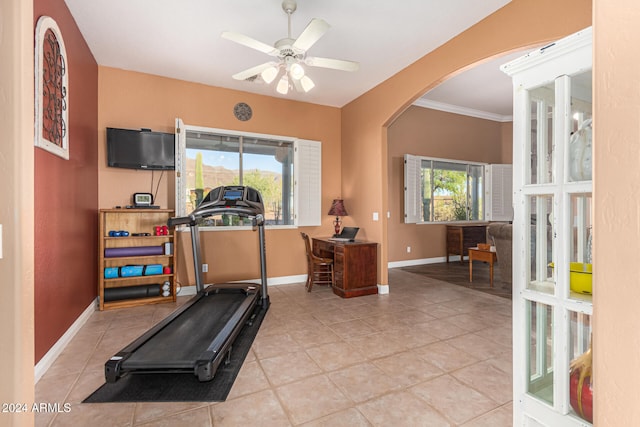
<point x="348" y="234"/>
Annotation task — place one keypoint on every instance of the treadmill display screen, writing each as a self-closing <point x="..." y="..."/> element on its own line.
<point x="233" y="195"/>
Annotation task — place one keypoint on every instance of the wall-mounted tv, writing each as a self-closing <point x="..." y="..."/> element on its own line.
<point x="140" y="149"/>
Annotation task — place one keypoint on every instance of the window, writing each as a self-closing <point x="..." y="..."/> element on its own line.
<point x="438" y="190"/>
<point x="209" y="158"/>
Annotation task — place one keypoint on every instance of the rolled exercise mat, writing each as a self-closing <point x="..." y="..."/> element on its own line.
<point x="151" y="269"/>
<point x="128" y="292"/>
<point x="133" y="251"/>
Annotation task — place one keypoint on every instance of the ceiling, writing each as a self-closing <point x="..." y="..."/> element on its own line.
<point x="181" y="40"/>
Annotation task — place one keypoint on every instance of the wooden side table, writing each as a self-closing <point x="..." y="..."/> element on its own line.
<point x="476" y="254"/>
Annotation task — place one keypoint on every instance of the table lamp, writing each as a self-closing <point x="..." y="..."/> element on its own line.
<point x="337" y="210"/>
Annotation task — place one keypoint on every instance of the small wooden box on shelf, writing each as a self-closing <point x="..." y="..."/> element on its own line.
<point x="135" y="289"/>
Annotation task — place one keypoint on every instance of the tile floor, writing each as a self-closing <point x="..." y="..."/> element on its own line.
<point x="427" y="354"/>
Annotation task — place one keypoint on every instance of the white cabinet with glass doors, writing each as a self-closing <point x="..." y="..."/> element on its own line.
<point x="552" y="229"/>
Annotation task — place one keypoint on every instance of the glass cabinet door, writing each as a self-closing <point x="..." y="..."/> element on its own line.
<point x="552" y="233"/>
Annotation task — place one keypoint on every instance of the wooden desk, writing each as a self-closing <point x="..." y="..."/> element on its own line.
<point x="462" y="237"/>
<point x="355" y="266"/>
<point x="476" y="254"/>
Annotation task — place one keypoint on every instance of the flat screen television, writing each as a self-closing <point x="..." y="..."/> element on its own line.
<point x="140" y="149"/>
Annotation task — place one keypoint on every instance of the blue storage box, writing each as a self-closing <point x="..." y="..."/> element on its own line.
<point x="152" y="269"/>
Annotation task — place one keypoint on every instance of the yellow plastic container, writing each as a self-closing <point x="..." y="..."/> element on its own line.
<point x="580" y="277"/>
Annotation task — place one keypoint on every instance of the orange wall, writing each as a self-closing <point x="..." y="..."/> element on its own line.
<point x="616" y="145"/>
<point x="66" y="197"/>
<point x="426" y="132"/>
<point x="134" y="100"/>
<point x="520" y="24"/>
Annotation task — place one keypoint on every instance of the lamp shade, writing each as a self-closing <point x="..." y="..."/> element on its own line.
<point x="337" y="208"/>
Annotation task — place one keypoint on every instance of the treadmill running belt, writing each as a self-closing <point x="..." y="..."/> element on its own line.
<point x="180" y="343"/>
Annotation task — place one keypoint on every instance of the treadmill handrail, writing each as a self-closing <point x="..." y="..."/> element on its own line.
<point x="203" y="213"/>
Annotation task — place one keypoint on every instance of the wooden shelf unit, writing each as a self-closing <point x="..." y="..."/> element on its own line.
<point x="134" y="221"/>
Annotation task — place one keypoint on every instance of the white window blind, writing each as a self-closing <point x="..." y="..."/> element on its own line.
<point x="307" y="186"/>
<point x="181" y="185"/>
<point x="499" y="193"/>
<point x="412" y="189"/>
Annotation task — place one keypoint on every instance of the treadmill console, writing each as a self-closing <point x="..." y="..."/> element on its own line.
<point x="232" y="200"/>
<point x="233" y="196"/>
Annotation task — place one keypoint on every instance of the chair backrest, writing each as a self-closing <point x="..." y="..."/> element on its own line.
<point x="307" y="244"/>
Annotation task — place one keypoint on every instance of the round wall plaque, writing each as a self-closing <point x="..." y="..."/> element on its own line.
<point x="242" y="111"/>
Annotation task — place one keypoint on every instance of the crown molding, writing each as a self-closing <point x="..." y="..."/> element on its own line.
<point x="449" y="108"/>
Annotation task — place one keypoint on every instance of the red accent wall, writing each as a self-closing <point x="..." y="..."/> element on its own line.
<point x="66" y="196"/>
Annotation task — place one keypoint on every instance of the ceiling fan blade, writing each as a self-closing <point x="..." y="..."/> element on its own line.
<point x="336" y="64"/>
<point x="253" y="71"/>
<point x="249" y="42"/>
<point x="311" y="34"/>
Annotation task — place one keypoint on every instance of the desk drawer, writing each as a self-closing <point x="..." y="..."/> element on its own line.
<point x="322" y="249"/>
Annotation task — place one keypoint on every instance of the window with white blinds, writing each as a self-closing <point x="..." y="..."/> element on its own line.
<point x="442" y="190"/>
<point x="285" y="170"/>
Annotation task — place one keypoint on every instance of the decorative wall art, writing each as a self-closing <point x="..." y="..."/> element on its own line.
<point x="51" y="89"/>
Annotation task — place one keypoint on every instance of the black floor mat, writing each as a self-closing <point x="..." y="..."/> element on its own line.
<point x="182" y="387"/>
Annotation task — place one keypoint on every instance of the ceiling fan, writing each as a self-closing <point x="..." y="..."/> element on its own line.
<point x="291" y="55"/>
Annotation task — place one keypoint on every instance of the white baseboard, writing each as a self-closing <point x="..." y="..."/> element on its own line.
<point x="47" y="360"/>
<point x="383" y="289"/>
<point x="423" y="261"/>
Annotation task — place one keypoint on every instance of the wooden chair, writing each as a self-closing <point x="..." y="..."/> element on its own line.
<point x="319" y="270"/>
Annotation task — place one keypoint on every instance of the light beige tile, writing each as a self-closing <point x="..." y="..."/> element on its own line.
<point x="250" y="379"/>
<point x="401" y="409"/>
<point x="479" y="346"/>
<point x="501" y="417"/>
<point x="457" y="401"/>
<point x="274" y="345"/>
<point x="289" y="367"/>
<point x="96" y="414"/>
<point x="315" y="336"/>
<point x="407" y="368"/>
<point x="262" y="408"/>
<point x="441" y="328"/>
<point x="445" y="356"/>
<point x="469" y="322"/>
<point x="352" y="328"/>
<point x="312" y="398"/>
<point x="488" y="380"/>
<point x="363" y="381"/>
<point x="376" y="345"/>
<point x="348" y="418"/>
<point x="155" y="411"/>
<point x="333" y="356"/>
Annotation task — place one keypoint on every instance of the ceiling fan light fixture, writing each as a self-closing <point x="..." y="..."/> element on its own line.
<point x="283" y="85"/>
<point x="296" y="71"/>
<point x="306" y="83"/>
<point x="269" y="74"/>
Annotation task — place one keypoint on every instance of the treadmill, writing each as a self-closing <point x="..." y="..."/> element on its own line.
<point x="197" y="336"/>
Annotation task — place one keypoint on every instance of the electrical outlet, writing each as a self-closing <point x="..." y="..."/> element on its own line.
<point x="408" y="249"/>
<point x="205" y="268"/>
